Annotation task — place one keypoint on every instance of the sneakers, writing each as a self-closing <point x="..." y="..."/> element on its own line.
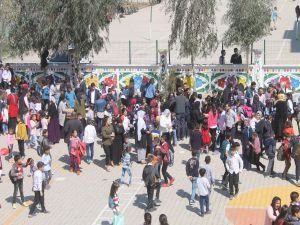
<point x="165" y="185"/>
<point x="298" y="183"/>
<point x="230" y="197"/>
<point x="78" y="172"/>
<point x="192" y="202"/>
<point x="71" y="170"/>
<point x="172" y="181"/>
<point x="25" y="204"/>
<point x="157" y="201"/>
<point x="14" y="206"/>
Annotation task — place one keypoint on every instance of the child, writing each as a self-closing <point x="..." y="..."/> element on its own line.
<point x="113" y="200"/>
<point x="224" y="152"/>
<point x="90" y="136"/>
<point x="90" y="114"/>
<point x="209" y="171"/>
<point x="288" y="129"/>
<point x="44" y="121"/>
<point x="287" y="152"/>
<point x="256" y="152"/>
<point x="203" y="187"/>
<point x="206" y="137"/>
<point x="165" y="148"/>
<point x="234" y="166"/>
<point x="5" y="120"/>
<point x="17" y="176"/>
<point x="10" y="142"/>
<point x="21" y="135"/>
<point x="43" y="142"/>
<point x="126" y="164"/>
<point x="33" y="168"/>
<point x="76" y="152"/>
<point x="33" y="131"/>
<point x="196" y="141"/>
<point x="47" y="159"/>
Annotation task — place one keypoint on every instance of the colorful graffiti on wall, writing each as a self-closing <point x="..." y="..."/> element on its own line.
<point x="206" y="77"/>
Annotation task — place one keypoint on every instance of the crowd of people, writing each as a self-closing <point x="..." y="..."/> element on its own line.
<point x="278" y="214"/>
<point x="42" y="113"/>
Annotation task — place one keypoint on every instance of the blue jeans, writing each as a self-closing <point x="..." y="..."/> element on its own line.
<point x="34" y="142"/>
<point x="4" y="128"/>
<point x="128" y="170"/>
<point x="90" y="151"/>
<point x="194" y="188"/>
<point x="174" y="137"/>
<point x="99" y="125"/>
<point x="204" y="200"/>
<point x="182" y="125"/>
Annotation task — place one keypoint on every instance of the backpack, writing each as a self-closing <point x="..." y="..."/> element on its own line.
<point x="11" y="177"/>
<point x="111" y="203"/>
<point x="147" y="175"/>
<point x="280" y="154"/>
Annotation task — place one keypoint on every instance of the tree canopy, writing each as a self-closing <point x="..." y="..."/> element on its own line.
<point x="248" y="21"/>
<point x="193" y="26"/>
<point x="42" y="25"/>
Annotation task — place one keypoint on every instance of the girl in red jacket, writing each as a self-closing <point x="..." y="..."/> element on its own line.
<point x="206" y="136"/>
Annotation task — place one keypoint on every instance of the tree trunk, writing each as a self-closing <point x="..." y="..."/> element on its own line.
<point x="193" y="69"/>
<point x="247" y="63"/>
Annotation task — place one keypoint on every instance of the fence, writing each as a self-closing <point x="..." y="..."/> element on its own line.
<point x="276" y="52"/>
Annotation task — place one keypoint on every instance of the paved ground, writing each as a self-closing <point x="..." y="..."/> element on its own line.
<point x="78" y="200"/>
<point x="281" y="46"/>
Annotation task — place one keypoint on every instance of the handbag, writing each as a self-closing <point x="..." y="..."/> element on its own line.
<point x="118" y="219"/>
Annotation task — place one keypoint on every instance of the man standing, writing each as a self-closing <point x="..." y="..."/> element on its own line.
<point x="181" y="105"/>
<point x="236" y="58"/>
<point x="251" y="91"/>
<point x="93" y="94"/>
<point x="222" y="57"/>
<point x="230" y="120"/>
<point x="38" y="190"/>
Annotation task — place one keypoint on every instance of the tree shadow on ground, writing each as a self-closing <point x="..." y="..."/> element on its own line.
<point x="185" y="146"/>
<point x="100" y="163"/>
<point x="141" y="201"/>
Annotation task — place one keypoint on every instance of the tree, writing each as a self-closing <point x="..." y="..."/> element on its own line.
<point x="248" y="22"/>
<point x="5" y="12"/>
<point x="54" y="25"/>
<point x="193" y="27"/>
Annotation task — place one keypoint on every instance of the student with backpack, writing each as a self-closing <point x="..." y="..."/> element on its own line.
<point x="149" y="180"/>
<point x="165" y="149"/>
<point x="192" y="168"/>
<point x="204" y="189"/>
<point x="196" y="141"/>
<point x="224" y="152"/>
<point x="16" y="176"/>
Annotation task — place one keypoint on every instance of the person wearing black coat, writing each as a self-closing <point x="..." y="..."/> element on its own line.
<point x="117" y="145"/>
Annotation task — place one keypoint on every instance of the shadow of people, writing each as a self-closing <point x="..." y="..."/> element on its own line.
<point x="65" y="159"/>
<point x="105" y="223"/>
<point x="183" y="162"/>
<point x="183" y="194"/>
<point x="185" y="146"/>
<point x="100" y="163"/>
<point x="141" y="201"/>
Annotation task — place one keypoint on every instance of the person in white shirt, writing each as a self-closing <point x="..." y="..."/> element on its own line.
<point x="6" y="77"/>
<point x="38" y="190"/>
<point x="234" y="166"/>
<point x="204" y="189"/>
<point x="90" y="136"/>
<point x="47" y="159"/>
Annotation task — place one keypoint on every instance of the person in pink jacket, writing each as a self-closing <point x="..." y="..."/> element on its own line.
<point x="255" y="152"/>
<point x="212" y="125"/>
<point x="272" y="211"/>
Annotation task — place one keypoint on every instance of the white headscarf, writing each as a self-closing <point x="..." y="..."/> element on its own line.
<point x="165" y="121"/>
<point x="140" y="123"/>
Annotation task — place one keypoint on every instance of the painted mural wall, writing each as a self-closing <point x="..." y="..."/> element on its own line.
<point x="206" y="78"/>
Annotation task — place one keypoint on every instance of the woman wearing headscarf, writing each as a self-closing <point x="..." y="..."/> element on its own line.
<point x="141" y="136"/>
<point x="281" y="115"/>
<point x="117" y="145"/>
<point x="53" y="126"/>
<point x="165" y="126"/>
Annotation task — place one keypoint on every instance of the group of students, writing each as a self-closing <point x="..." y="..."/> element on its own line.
<point x="278" y="214"/>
